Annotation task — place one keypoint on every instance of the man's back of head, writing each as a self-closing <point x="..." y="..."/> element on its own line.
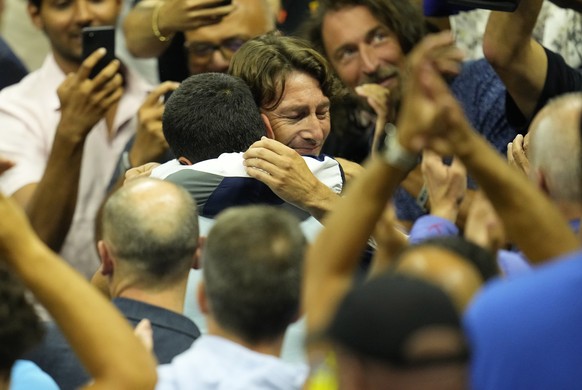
<point x="554" y="148"/>
<point x="151" y="228"/>
<point x="210" y="114"/>
<point x="252" y="266"/>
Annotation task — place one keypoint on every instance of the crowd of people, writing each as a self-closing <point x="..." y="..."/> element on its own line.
<point x="352" y="204"/>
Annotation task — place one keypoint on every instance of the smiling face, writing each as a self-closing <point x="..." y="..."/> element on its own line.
<point x="361" y="49"/>
<point x="63" y="20"/>
<point x="301" y="120"/>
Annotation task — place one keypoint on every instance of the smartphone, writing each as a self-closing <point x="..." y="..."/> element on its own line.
<point x="95" y="38"/>
<point x="219" y="4"/>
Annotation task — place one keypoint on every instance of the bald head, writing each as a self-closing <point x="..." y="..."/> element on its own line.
<point x="251" y="18"/>
<point x="554" y="148"/>
<point x="151" y="227"/>
<point x="455" y="275"/>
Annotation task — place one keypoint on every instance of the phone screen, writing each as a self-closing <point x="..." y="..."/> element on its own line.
<point x="95" y="38"/>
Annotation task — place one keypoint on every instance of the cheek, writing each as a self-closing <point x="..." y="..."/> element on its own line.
<point x="348" y="73"/>
<point x="283" y="132"/>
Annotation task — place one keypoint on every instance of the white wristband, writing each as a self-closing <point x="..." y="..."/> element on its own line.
<point x="394" y="154"/>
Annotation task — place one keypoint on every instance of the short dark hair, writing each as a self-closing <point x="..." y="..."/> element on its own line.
<point x="252" y="271"/>
<point x="210" y="114"/>
<point x="156" y="237"/>
<point x="400" y="16"/>
<point x="482" y="259"/>
<point x="265" y="62"/>
<point x="20" y="327"/>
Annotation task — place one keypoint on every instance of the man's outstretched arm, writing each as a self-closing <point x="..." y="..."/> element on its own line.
<point x="520" y="61"/>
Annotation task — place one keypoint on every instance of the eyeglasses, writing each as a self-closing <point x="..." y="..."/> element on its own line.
<point x="200" y="52"/>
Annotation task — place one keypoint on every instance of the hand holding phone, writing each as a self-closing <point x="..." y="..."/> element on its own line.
<point x="95" y="38"/>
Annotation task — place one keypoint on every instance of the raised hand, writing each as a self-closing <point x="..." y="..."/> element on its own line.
<point x="85" y="101"/>
<point x="150" y="143"/>
<point x="446" y="184"/>
<point x="183" y="15"/>
<point x="517" y="153"/>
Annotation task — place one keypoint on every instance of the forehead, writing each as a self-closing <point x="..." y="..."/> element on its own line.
<point x="348" y="24"/>
<point x="301" y="89"/>
<point x="250" y="19"/>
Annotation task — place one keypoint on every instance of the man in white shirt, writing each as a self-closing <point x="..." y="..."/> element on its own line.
<point x="249" y="295"/>
<point x="65" y="131"/>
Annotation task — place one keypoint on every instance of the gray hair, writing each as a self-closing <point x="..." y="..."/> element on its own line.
<point x="152" y="226"/>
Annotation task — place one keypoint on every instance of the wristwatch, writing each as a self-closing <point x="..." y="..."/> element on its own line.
<point x="394" y="154"/>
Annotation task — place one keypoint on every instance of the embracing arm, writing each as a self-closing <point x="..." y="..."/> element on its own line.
<point x="520" y="62"/>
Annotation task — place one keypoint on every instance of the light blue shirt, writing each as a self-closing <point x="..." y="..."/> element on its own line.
<point x="214" y="362"/>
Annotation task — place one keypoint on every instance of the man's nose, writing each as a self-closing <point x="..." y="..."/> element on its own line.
<point x="368" y="58"/>
<point x="218" y="62"/>
<point x="83" y="14"/>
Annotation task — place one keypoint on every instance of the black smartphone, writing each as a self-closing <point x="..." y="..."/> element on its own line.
<point x="496" y="5"/>
<point x="95" y="38"/>
<point x="221" y="3"/>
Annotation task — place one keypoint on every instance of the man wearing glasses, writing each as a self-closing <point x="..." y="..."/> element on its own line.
<point x="196" y="38"/>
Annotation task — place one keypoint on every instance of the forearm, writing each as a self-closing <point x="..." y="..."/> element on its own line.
<point x="321" y="203"/>
<point x="104" y="343"/>
<point x="335" y="254"/>
<point x="519" y="61"/>
<point x="52" y="204"/>
<point x="530" y="219"/>
<point x="139" y="35"/>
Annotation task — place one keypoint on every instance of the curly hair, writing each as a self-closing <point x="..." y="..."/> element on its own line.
<point x="20" y="327"/>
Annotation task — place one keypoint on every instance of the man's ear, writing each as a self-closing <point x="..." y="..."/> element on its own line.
<point x="34" y="13"/>
<point x="202" y="298"/>
<point x="184" y="161"/>
<point x="542" y="182"/>
<point x="107" y="262"/>
<point x="268" y="129"/>
<point x="197" y="263"/>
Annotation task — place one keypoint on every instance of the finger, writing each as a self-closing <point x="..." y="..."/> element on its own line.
<point x="5" y="165"/>
<point x="510" y="153"/>
<point x="155" y="95"/>
<point x="112" y="87"/>
<point x="458" y="167"/>
<point x="271" y="145"/>
<point x="111" y="71"/>
<point x="90" y="62"/>
<point x="273" y="169"/>
<point x="113" y="98"/>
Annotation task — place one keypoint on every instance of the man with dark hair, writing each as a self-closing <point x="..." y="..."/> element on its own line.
<point x="367" y="43"/>
<point x="249" y="295"/>
<point x="65" y="130"/>
<point x="208" y="115"/>
<point x="150" y="239"/>
<point x="209" y="121"/>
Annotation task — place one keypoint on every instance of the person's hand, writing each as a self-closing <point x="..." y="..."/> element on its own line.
<point x="285" y="172"/>
<point x="446" y="184"/>
<point x="483" y="226"/>
<point x="517" y="153"/>
<point x="141" y="171"/>
<point x="150" y="143"/>
<point x="85" y="101"/>
<point x="390" y="240"/>
<point x="144" y="332"/>
<point x="378" y="97"/>
<point x="184" y="15"/>
<point x="430" y="117"/>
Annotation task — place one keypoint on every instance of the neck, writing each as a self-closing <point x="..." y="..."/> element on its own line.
<point x="169" y="297"/>
<point x="271" y="347"/>
<point x="67" y="66"/>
